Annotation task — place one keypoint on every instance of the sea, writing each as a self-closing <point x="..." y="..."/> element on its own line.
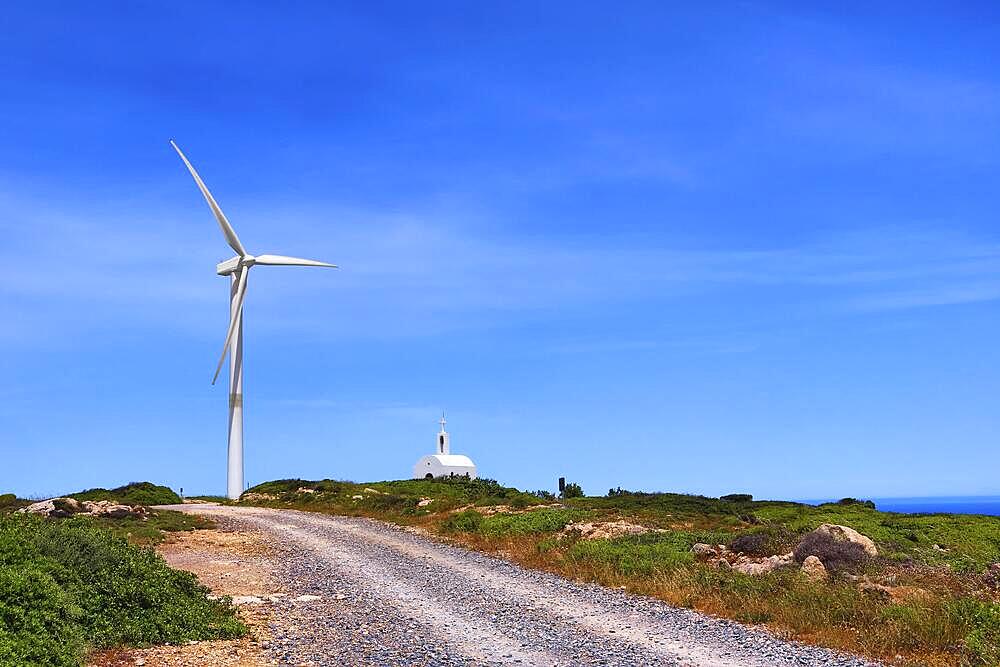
<point x="933" y="504"/>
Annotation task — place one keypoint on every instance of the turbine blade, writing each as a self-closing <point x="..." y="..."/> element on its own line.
<point x="235" y="314"/>
<point x="227" y="229"/>
<point x="281" y="260"/>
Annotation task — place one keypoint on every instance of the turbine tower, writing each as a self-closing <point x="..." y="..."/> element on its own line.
<point x="237" y="269"/>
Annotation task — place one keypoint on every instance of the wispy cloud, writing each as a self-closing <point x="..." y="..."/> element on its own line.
<point x="422" y="274"/>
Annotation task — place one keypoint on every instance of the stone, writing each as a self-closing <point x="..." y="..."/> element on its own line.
<point x="119" y="511"/>
<point x="357" y="497"/>
<point x="240" y="600"/>
<point x="424" y="502"/>
<point x="813" y="568"/>
<point x="846" y="534"/>
<point x="755" y="567"/>
<point x="58" y="508"/>
<point x="68" y="505"/>
<point x="43" y="507"/>
<point x="701" y="550"/>
<point x="603" y="531"/>
<point x="303" y="489"/>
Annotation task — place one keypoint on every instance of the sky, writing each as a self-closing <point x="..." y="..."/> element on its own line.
<point x="732" y="247"/>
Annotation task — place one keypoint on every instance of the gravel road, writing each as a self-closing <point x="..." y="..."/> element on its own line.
<point x="380" y="595"/>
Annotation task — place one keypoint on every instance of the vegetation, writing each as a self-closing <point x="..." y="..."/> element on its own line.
<point x="572" y="490"/>
<point x="135" y="493"/>
<point x="154" y="529"/>
<point x="398" y="500"/>
<point x="68" y="586"/>
<point x="10" y="503"/>
<point x="931" y="595"/>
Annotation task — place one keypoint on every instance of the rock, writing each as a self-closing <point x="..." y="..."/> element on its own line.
<point x="761" y="566"/>
<point x="356" y="497"/>
<point x="754" y="567"/>
<point x="751" y="565"/>
<point x="303" y="489"/>
<point x="814" y="569"/>
<point x="111" y="509"/>
<point x="68" y="505"/>
<point x="43" y="507"/>
<point x="257" y="497"/>
<point x="307" y="598"/>
<point x="424" y="502"/>
<point x="57" y="508"/>
<point x="119" y="511"/>
<point x="603" y="531"/>
<point x="877" y="590"/>
<point x="246" y="599"/>
<point x="701" y="550"/>
<point x="846" y="534"/>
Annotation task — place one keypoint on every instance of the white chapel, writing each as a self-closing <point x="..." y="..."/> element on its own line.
<point x="444" y="463"/>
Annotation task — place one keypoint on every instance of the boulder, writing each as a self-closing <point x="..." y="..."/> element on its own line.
<point x="67" y="505"/>
<point x="111" y="509"/>
<point x="754" y="567"/>
<point x="814" y="569"/>
<point x="701" y="550"/>
<point x="119" y="511"/>
<point x="603" y="531"/>
<point x="763" y="565"/>
<point x="424" y="502"/>
<point x="58" y="508"/>
<point x="846" y="534"/>
<point x="45" y="507"/>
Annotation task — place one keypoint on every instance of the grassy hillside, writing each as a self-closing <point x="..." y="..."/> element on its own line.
<point x="135" y="493"/>
<point x="930" y="596"/>
<point x="69" y="586"/>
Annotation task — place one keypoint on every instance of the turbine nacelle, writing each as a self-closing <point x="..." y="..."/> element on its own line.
<point x="229" y="266"/>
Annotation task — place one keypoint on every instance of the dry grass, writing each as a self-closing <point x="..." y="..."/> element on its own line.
<point x="919" y="604"/>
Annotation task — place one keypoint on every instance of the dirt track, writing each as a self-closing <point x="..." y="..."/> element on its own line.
<point x="360" y="592"/>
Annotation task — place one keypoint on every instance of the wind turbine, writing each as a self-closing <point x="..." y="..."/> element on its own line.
<point x="237" y="269"/>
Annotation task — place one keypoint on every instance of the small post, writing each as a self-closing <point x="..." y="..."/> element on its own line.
<point x="562" y="485"/>
<point x="182" y="493"/>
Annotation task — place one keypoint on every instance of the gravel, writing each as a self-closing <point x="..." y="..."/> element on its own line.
<point x="361" y="592"/>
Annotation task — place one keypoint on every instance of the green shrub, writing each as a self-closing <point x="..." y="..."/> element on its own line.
<point x="835" y="554"/>
<point x="68" y="586"/>
<point x="981" y="621"/>
<point x="766" y="542"/>
<point x="135" y="493"/>
<point x="737" y="498"/>
<point x="468" y="521"/>
<point x="525" y="523"/>
<point x="641" y="555"/>
<point x="7" y="499"/>
<point x="854" y="501"/>
<point x="572" y="491"/>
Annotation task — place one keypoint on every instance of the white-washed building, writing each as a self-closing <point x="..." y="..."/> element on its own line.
<point x="444" y="463"/>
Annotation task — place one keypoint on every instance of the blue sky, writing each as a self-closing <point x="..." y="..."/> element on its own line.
<point x="747" y="247"/>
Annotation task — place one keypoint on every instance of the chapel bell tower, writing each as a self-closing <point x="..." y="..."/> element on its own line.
<point x="443" y="444"/>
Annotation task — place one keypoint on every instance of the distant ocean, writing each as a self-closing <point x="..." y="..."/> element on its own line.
<point x="952" y="504"/>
